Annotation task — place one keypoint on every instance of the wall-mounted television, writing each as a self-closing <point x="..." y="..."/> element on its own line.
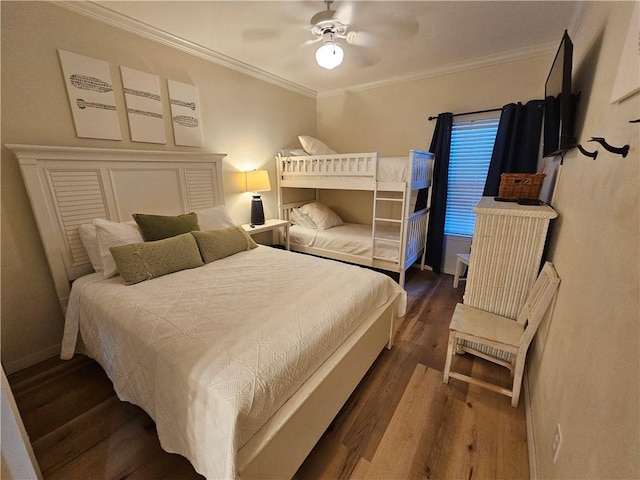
<point x="559" y="104"/>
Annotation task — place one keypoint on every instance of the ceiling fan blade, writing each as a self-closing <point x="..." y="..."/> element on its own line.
<point x="344" y="12"/>
<point x="362" y="39"/>
<point x="312" y="41"/>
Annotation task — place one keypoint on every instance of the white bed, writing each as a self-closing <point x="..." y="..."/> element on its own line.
<point x="353" y="239"/>
<point x="177" y="344"/>
<point x="395" y="183"/>
<point x="211" y="369"/>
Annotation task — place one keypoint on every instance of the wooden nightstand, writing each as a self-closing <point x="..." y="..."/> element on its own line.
<point x="272" y="225"/>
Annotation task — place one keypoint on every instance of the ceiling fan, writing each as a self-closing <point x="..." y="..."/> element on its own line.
<point x="336" y="29"/>
<point x="326" y="26"/>
<point x="329" y="25"/>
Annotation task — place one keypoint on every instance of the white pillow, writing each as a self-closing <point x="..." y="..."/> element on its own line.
<point x="313" y="146"/>
<point x="321" y="215"/>
<point x="214" y="218"/>
<point x="293" y="152"/>
<point x="89" y="239"/>
<point x="299" y="218"/>
<point x="114" y="234"/>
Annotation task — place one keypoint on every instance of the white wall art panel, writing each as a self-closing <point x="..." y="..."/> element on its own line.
<point x="185" y="114"/>
<point x="627" y="80"/>
<point x="144" y="105"/>
<point x="90" y="91"/>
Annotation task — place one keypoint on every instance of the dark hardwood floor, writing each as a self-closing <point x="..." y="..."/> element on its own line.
<point x="402" y="422"/>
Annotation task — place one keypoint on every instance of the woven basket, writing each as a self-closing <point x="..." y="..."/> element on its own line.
<point x="520" y="185"/>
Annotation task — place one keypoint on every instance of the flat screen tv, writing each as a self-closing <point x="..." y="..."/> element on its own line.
<point x="560" y="103"/>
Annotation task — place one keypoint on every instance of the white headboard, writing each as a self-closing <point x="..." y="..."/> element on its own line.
<point x="70" y="186"/>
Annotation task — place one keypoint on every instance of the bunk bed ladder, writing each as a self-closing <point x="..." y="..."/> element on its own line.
<point x="380" y="235"/>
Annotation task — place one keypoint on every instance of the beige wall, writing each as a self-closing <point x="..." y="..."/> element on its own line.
<point x="393" y="119"/>
<point x="584" y="370"/>
<point x="246" y="118"/>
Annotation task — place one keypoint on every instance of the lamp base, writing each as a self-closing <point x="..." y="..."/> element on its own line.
<point x="257" y="212"/>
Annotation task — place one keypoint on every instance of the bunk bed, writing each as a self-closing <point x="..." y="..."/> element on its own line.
<point x="395" y="239"/>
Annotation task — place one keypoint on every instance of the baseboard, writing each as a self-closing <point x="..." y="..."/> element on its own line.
<point x="531" y="438"/>
<point x="24" y="362"/>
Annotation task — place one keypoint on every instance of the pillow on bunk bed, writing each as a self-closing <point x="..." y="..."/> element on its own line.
<point x="321" y="215"/>
<point x="313" y="146"/>
<point x="293" y="152"/>
<point x="299" y="218"/>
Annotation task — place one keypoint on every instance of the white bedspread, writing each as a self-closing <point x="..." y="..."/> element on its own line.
<point x="213" y="352"/>
<point x="349" y="238"/>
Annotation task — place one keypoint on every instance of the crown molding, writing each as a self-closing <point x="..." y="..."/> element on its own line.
<point x="122" y="22"/>
<point x="510" y="56"/>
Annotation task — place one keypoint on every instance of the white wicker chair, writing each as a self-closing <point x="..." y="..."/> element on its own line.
<point x="471" y="325"/>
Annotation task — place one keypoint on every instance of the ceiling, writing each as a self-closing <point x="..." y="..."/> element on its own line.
<point x="406" y="39"/>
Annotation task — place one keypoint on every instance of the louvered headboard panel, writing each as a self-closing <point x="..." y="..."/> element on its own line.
<point x="70" y="186"/>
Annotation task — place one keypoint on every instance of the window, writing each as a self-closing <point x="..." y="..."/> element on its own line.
<point x="471" y="148"/>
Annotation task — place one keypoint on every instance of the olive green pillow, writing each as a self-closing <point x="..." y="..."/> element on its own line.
<point x="138" y="262"/>
<point x="157" y="227"/>
<point x="217" y="244"/>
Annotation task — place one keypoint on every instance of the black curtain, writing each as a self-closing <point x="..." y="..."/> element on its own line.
<point x="440" y="147"/>
<point x="517" y="143"/>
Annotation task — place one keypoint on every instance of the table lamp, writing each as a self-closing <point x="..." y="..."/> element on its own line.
<point x="257" y="181"/>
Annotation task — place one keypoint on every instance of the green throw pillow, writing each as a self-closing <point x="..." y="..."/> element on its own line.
<point x="157" y="227"/>
<point x="138" y="262"/>
<point x="217" y="244"/>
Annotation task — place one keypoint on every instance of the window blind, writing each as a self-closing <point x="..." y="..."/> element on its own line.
<point x="471" y="148"/>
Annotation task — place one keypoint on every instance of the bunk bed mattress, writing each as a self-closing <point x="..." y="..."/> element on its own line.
<point x="348" y="238"/>
<point x="393" y="169"/>
<point x="212" y="353"/>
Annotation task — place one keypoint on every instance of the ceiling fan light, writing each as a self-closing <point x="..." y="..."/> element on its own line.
<point x="329" y="55"/>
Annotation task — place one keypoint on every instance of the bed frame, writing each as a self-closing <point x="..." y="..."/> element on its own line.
<point x="359" y="171"/>
<point x="70" y="186"/>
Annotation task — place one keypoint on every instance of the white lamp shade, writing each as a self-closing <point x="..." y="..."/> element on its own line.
<point x="329" y="55"/>
<point x="257" y="181"/>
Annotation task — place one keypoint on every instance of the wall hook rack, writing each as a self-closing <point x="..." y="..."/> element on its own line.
<point x="593" y="155"/>
<point x="617" y="150"/>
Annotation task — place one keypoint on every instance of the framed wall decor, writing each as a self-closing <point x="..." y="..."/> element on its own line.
<point x="185" y="114"/>
<point x="91" y="97"/>
<point x="144" y="105"/>
<point x="627" y="79"/>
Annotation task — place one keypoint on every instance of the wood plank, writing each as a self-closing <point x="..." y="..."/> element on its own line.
<point x="134" y="447"/>
<point x="55" y="399"/>
<point x="443" y="446"/>
<point x="501" y="440"/>
<point x="82" y="433"/>
<point x="393" y="458"/>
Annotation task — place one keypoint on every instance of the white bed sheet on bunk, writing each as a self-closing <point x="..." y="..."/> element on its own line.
<point x="212" y="353"/>
<point x="393" y="169"/>
<point x="348" y="238"/>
